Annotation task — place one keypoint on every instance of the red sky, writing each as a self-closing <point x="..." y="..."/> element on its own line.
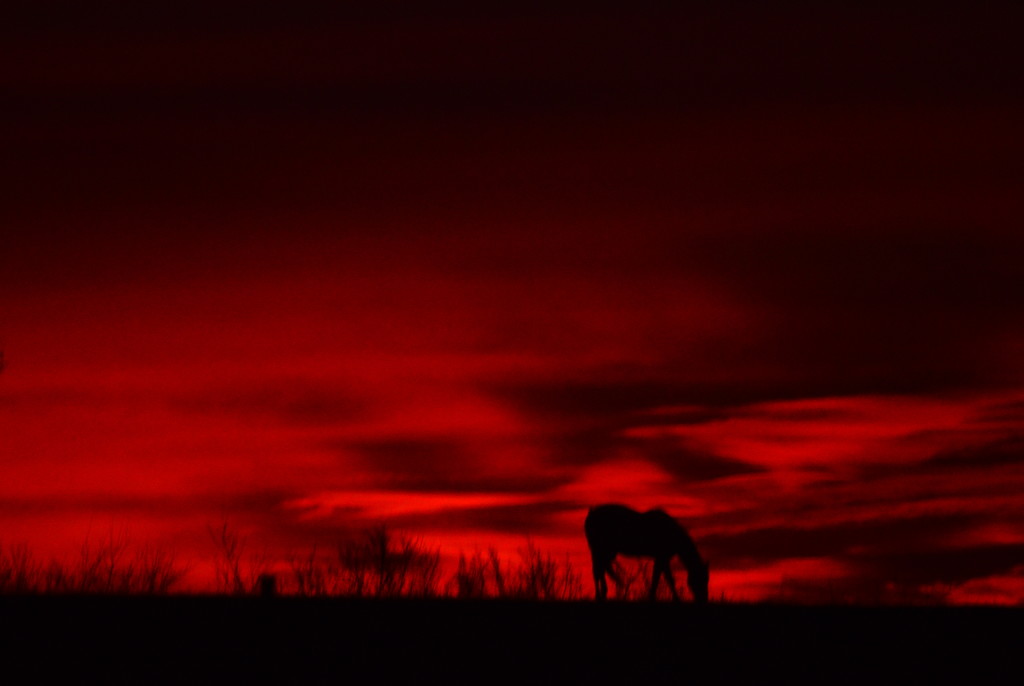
<point x="471" y="273"/>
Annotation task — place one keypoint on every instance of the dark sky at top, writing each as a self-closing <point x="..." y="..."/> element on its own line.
<point x="863" y="162"/>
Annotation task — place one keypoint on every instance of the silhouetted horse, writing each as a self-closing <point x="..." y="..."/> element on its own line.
<point x="616" y="529"/>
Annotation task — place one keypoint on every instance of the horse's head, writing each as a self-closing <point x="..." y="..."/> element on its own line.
<point x="697" y="580"/>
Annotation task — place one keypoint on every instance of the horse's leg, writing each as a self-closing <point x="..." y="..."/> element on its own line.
<point x="654" y="579"/>
<point x="600" y="585"/>
<point x="600" y="567"/>
<point x="610" y="571"/>
<point x="667" y="571"/>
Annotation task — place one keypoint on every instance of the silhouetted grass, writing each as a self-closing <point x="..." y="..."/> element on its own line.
<point x="111" y="566"/>
<point x="237" y="568"/>
<point x="384" y="564"/>
<point x="378" y="563"/>
<point x="535" y="576"/>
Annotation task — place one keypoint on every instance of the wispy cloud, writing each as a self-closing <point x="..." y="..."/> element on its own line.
<point x="370" y="505"/>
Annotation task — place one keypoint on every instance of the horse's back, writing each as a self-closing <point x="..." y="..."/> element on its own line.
<point x="617" y="528"/>
<point x="611" y="515"/>
<point x="610" y="512"/>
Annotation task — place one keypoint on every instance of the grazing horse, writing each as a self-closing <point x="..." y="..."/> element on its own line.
<point x="616" y="529"/>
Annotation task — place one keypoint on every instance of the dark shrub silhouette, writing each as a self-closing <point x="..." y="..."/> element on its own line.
<point x="382" y="564"/>
<point x="536" y="576"/>
<point x="237" y="569"/>
<point x="377" y="563"/>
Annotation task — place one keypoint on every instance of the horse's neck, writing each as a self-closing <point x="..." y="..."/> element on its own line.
<point x="688" y="552"/>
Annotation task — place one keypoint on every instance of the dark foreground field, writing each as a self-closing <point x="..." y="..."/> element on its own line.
<point x="289" y="640"/>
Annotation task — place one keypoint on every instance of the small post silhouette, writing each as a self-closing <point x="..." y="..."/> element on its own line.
<point x="268" y="585"/>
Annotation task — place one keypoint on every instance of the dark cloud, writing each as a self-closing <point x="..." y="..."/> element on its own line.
<point x="949" y="566"/>
<point x="844" y="540"/>
<point x="215" y="506"/>
<point x="39" y="399"/>
<point x="997" y="413"/>
<point x="628" y="395"/>
<point x="915" y="551"/>
<point x="689" y="464"/>
<point x="578" y="421"/>
<point x="595" y="401"/>
<point x="297" y="403"/>
<point x="521" y="519"/>
<point x="685" y="415"/>
<point x="885" y="311"/>
<point x="443" y="465"/>
<point x="527" y="519"/>
<point x="1004" y="452"/>
<point x="985" y="454"/>
<point x="584" y="423"/>
<point x="298" y="531"/>
<point x="403" y="463"/>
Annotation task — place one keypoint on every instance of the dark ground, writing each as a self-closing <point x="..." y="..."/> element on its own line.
<point x="288" y="640"/>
